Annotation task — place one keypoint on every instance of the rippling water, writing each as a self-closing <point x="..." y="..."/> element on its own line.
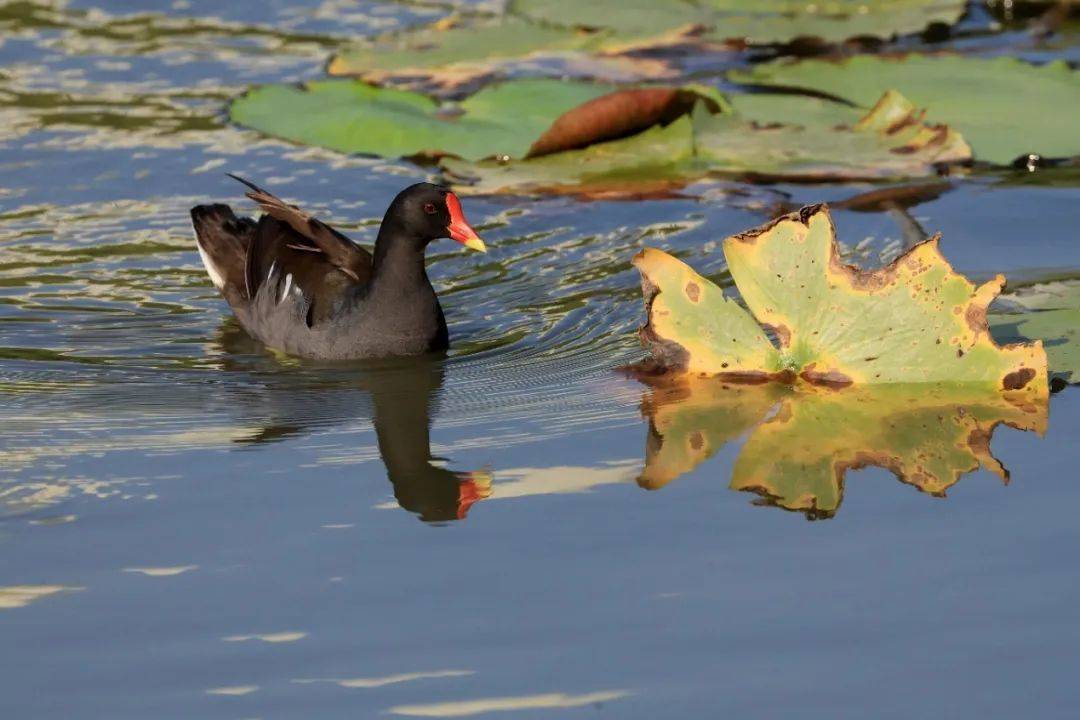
<point x="192" y="527"/>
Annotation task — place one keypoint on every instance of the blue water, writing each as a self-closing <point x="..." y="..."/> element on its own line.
<point x="192" y="528"/>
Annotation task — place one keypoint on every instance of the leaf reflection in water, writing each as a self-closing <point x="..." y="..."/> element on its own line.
<point x="802" y="442"/>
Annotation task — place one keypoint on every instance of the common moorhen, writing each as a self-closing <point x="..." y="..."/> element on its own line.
<point x="300" y="286"/>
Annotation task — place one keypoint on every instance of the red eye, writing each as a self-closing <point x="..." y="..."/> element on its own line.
<point x="429" y="208"/>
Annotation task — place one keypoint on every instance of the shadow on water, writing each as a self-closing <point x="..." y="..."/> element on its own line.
<point x="401" y="398"/>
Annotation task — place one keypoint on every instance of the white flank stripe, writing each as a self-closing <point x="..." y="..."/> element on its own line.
<point x="211" y="269"/>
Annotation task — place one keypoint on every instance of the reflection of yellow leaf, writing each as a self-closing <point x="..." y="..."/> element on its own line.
<point x="928" y="436"/>
<point x="691" y="419"/>
<point x="914" y="321"/>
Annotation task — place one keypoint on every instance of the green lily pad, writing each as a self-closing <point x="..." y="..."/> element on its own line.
<point x="1005" y="108"/>
<point x="452" y="55"/>
<point x="591" y="39"/>
<point x="350" y="116"/>
<point x="781" y="21"/>
<point x="627" y="18"/>
<point x="529" y="135"/>
<point x="752" y="21"/>
<point x="820" y="140"/>
<point x="1053" y="316"/>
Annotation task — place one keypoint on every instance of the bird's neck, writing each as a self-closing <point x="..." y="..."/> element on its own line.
<point x="399" y="262"/>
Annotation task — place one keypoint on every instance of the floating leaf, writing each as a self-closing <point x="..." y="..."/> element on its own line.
<point x="626" y="18"/>
<point x="712" y="331"/>
<point x="798" y="458"/>
<point x="821" y="140"/>
<point x="1053" y="316"/>
<point x="1004" y="107"/>
<point x="913" y="321"/>
<point x="560" y="37"/>
<point x="450" y="56"/>
<point x="351" y="116"/>
<point x="781" y="21"/>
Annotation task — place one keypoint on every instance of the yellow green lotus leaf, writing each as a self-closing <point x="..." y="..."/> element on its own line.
<point x="693" y="327"/>
<point x="927" y="436"/>
<point x="913" y="321"/>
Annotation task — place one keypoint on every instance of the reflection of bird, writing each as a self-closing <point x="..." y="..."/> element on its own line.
<point x="300" y="286"/>
<point x="402" y="425"/>
<point x="403" y="398"/>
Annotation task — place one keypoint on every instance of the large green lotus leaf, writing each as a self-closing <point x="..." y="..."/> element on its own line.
<point x="927" y="436"/>
<point x="891" y="141"/>
<point x="1005" y="108"/>
<point x="913" y="321"/>
<point x="628" y="18"/>
<point x="820" y="140"/>
<point x="1053" y="316"/>
<point x="799" y="110"/>
<point x="452" y="55"/>
<point x="768" y="22"/>
<point x="781" y="21"/>
<point x="354" y="117"/>
<point x="592" y="38"/>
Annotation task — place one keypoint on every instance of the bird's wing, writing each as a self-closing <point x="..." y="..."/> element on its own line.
<point x="314" y="235"/>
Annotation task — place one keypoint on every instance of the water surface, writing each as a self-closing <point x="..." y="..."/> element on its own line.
<point x="191" y="527"/>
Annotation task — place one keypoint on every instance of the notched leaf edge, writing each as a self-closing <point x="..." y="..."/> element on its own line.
<point x="668" y="356"/>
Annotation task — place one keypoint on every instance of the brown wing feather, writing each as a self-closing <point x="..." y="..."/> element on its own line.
<point x="342" y="252"/>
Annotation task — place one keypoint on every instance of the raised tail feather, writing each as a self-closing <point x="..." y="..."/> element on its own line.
<point x="223" y="240"/>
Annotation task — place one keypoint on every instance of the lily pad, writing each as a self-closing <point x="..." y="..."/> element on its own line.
<point x="529" y="135"/>
<point x="798" y="458"/>
<point x="781" y="21"/>
<point x="1005" y="108"/>
<point x="355" y="117"/>
<point x="592" y="38"/>
<point x="913" y="321"/>
<point x="821" y="140"/>
<point x="1053" y="316"/>
<point x="453" y="54"/>
<point x="626" y="18"/>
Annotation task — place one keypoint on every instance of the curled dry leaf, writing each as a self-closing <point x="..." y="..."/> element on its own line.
<point x="619" y="114"/>
<point x="914" y="321"/>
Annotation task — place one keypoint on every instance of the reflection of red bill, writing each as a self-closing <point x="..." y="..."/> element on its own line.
<point x="459" y="228"/>
<point x="473" y="488"/>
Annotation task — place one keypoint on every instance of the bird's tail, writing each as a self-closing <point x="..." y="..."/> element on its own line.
<point x="223" y="240"/>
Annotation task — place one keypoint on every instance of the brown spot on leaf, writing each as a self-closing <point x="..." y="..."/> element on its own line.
<point x="693" y="292"/>
<point x="1018" y="378"/>
<point x="829" y="378"/>
<point x="976" y="318"/>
